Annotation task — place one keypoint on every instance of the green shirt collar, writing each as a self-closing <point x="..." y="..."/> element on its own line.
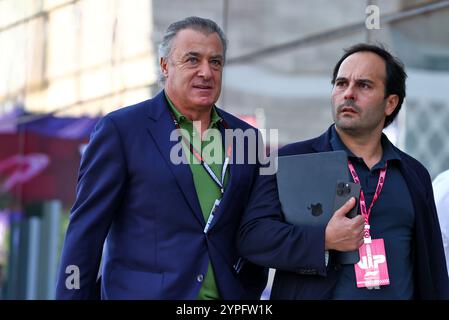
<point x="214" y="118"/>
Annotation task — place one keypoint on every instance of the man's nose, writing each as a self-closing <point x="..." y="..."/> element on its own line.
<point x="349" y="93"/>
<point x="205" y="70"/>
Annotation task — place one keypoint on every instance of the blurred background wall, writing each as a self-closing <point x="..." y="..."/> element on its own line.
<point x="79" y="59"/>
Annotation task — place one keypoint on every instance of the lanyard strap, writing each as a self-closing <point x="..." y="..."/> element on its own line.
<point x="380" y="183"/>
<point x="218" y="182"/>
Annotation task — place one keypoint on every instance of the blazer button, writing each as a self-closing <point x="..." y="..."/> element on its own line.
<point x="200" y="278"/>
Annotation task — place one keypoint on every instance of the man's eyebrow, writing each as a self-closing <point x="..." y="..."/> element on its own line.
<point x="191" y="53"/>
<point x="197" y="54"/>
<point x="362" y="80"/>
<point x="218" y="56"/>
<point x="341" y="79"/>
<point x="365" y="81"/>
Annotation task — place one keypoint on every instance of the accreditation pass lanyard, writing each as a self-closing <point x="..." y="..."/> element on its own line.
<point x="219" y="183"/>
<point x="371" y="271"/>
<point x="210" y="172"/>
<point x="366" y="213"/>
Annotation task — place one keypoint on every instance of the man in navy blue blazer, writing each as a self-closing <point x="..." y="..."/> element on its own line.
<point x="164" y="228"/>
<point x="405" y="259"/>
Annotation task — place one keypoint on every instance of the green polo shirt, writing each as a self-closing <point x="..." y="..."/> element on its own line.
<point x="206" y="189"/>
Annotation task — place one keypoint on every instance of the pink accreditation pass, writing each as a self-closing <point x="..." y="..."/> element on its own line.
<point x="372" y="271"/>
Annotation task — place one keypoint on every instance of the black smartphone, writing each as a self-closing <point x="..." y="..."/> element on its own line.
<point x="344" y="191"/>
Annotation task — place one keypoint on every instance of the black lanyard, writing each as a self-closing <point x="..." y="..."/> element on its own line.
<point x="218" y="182"/>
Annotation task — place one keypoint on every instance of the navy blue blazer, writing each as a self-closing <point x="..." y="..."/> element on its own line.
<point x="298" y="252"/>
<point x="146" y="207"/>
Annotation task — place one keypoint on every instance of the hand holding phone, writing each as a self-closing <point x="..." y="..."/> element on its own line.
<point x="344" y="191"/>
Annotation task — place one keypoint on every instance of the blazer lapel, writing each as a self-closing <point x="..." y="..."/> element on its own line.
<point x="230" y="191"/>
<point x="235" y="171"/>
<point x="160" y="125"/>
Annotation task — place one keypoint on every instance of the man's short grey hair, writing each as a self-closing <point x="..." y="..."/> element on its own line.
<point x="206" y="26"/>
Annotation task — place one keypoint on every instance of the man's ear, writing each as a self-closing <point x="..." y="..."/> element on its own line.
<point x="392" y="103"/>
<point x="164" y="66"/>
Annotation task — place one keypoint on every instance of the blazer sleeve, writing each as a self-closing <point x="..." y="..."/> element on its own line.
<point x="437" y="249"/>
<point x="101" y="182"/>
<point x="265" y="239"/>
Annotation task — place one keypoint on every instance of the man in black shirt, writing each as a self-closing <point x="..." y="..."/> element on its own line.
<point x="402" y="254"/>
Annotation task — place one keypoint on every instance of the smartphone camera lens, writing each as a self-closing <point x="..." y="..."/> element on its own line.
<point x="340" y="188"/>
<point x="347" y="189"/>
